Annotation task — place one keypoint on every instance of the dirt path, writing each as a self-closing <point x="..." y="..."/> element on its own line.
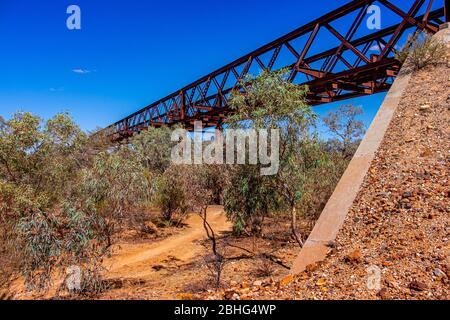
<point x="142" y="261"/>
<point x="152" y="266"/>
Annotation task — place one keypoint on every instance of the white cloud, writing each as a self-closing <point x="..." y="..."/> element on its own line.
<point x="376" y="47"/>
<point x="59" y="89"/>
<point x="81" y="71"/>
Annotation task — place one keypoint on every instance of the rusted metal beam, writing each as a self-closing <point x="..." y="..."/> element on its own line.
<point x="334" y="74"/>
<point x="447" y="10"/>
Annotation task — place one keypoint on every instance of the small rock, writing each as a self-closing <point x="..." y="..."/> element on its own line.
<point x="386" y="264"/>
<point x="185" y="296"/>
<point x="244" y="285"/>
<point x="158" y="267"/>
<point x="311" y="267"/>
<point x="244" y="291"/>
<point x="383" y="294"/>
<point x="418" y="286"/>
<point x="354" y="257"/>
<point x="229" y="294"/>
<point x="321" y="282"/>
<point x="257" y="283"/>
<point x="383" y="194"/>
<point x="150" y="227"/>
<point x="331" y="244"/>
<point x="425" y="107"/>
<point x="407" y="194"/>
<point x="286" y="280"/>
<point x="439" y="273"/>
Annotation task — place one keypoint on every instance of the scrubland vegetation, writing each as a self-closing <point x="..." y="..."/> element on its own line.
<point x="65" y="195"/>
<point x="422" y="50"/>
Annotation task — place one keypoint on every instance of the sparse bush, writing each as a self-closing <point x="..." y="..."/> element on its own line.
<point x="60" y="239"/>
<point x="249" y="198"/>
<point x="319" y="184"/>
<point x="215" y="264"/>
<point x="170" y="196"/>
<point x="47" y="221"/>
<point x="115" y="183"/>
<point x="346" y="128"/>
<point x="270" y="102"/>
<point x="152" y="148"/>
<point x="422" y="50"/>
<point x="199" y="184"/>
<point x="264" y="267"/>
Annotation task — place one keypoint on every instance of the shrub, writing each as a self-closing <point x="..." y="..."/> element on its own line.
<point x="270" y="101"/>
<point x="170" y="195"/>
<point x="215" y="263"/>
<point x="37" y="167"/>
<point x="59" y="239"/>
<point x="264" y="267"/>
<point x="45" y="158"/>
<point x="58" y="198"/>
<point x="422" y="50"/>
<point x="114" y="187"/>
<point x="344" y="125"/>
<point x="249" y="198"/>
<point x="152" y="147"/>
<point x="115" y="183"/>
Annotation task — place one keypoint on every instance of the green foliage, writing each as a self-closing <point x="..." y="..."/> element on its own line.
<point x="270" y="101"/>
<point x="41" y="245"/>
<point x="249" y="198"/>
<point x="153" y="147"/>
<point x="63" y="195"/>
<point x="170" y="195"/>
<point x="43" y="224"/>
<point x="203" y="184"/>
<point x="115" y="183"/>
<point x="308" y="171"/>
<point x="59" y="240"/>
<point x="322" y="171"/>
<point x="422" y="50"/>
<point x="44" y="159"/>
<point x="344" y="125"/>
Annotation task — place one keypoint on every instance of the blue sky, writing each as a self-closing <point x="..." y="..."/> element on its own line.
<point x="131" y="53"/>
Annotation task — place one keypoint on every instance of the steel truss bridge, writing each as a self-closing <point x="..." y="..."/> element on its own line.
<point x="359" y="62"/>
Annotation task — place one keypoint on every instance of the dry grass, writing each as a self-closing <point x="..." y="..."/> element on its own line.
<point x="422" y="50"/>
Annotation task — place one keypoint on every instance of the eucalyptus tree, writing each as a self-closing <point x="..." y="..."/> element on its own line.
<point x="270" y="101"/>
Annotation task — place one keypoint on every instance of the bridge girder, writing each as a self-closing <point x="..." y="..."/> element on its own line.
<point x="347" y="70"/>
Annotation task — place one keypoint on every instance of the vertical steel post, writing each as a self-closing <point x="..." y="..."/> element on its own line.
<point x="446" y="10"/>
<point x="182" y="105"/>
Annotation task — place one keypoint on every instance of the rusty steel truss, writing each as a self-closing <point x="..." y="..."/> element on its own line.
<point x="348" y="69"/>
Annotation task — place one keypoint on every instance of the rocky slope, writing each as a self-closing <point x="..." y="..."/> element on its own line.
<point x="399" y="223"/>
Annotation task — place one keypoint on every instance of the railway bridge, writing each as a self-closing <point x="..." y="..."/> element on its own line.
<point x="358" y="61"/>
